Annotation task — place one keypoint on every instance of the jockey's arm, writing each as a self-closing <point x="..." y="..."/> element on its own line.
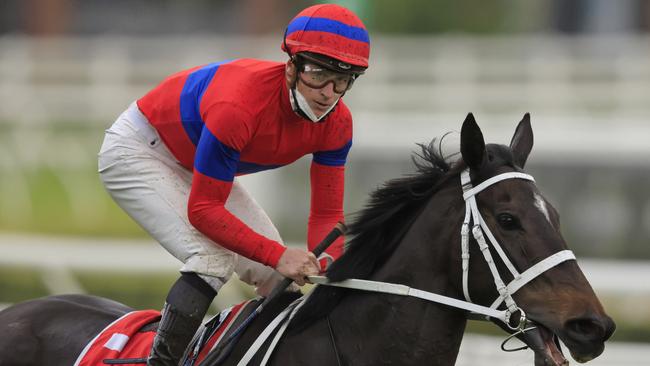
<point x="215" y="165"/>
<point x="327" y="175"/>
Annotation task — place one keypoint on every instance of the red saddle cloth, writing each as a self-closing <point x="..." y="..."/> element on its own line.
<point x="121" y="339"/>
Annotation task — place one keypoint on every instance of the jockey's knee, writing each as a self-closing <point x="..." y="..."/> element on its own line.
<point x="191" y="294"/>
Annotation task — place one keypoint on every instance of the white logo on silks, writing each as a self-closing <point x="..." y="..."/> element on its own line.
<point x="117" y="342"/>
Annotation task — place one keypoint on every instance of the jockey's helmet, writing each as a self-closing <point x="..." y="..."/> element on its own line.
<point x="331" y="36"/>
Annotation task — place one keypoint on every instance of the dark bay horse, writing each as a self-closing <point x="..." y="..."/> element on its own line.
<point x="408" y="234"/>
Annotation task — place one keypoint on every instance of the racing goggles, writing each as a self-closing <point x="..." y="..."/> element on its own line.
<point x="317" y="77"/>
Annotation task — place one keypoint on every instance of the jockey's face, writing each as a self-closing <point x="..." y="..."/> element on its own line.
<point x="317" y="77"/>
<point x="319" y="99"/>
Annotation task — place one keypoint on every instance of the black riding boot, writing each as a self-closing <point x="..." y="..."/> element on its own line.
<point x="186" y="305"/>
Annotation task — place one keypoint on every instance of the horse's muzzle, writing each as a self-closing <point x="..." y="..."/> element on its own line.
<point x="585" y="336"/>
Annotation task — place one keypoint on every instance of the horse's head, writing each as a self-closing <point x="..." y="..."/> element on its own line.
<point x="559" y="301"/>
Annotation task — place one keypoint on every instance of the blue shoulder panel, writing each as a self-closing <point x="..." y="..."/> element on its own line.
<point x="191" y="96"/>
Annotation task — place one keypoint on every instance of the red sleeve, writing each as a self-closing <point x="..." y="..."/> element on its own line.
<point x="327" y="189"/>
<point x="215" y="165"/>
<point x="207" y="212"/>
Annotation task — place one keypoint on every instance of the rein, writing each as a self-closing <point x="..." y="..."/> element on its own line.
<point x="479" y="231"/>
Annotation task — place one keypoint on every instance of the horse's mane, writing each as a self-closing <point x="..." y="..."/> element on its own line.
<point x="379" y="227"/>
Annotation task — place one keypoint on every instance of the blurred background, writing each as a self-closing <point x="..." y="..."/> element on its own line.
<point x="68" y="68"/>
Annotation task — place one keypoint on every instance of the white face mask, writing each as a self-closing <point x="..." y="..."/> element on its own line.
<point x="298" y="102"/>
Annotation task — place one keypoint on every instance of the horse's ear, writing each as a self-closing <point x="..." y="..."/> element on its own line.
<point x="472" y="145"/>
<point x="522" y="141"/>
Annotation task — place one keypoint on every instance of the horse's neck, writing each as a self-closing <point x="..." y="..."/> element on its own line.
<point x="405" y="328"/>
<point x="380" y="329"/>
<point x="386" y="329"/>
<point x="428" y="257"/>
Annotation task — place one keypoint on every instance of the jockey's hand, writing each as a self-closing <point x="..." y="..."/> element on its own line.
<point x="297" y="264"/>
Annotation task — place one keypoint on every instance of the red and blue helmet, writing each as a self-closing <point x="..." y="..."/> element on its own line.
<point x="332" y="31"/>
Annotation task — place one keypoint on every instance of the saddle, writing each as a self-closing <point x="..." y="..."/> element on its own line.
<point x="215" y="330"/>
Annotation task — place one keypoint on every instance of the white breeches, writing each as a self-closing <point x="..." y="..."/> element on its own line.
<point x="149" y="184"/>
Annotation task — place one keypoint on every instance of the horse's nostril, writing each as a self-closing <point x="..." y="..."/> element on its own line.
<point x="588" y="329"/>
<point x="610" y="327"/>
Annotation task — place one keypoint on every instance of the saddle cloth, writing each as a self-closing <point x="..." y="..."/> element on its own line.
<point x="121" y="339"/>
<point x="126" y="338"/>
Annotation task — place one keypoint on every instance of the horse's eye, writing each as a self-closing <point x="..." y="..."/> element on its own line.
<point x="508" y="222"/>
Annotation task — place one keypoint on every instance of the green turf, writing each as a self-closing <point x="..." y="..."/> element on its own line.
<point x="62" y="202"/>
<point x="137" y="291"/>
<point x="19" y="284"/>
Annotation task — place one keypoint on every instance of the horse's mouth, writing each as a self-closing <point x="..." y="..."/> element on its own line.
<point x="542" y="341"/>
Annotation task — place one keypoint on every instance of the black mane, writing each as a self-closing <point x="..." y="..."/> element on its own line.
<point x="377" y="229"/>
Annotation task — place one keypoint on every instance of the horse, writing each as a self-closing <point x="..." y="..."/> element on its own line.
<point x="414" y="233"/>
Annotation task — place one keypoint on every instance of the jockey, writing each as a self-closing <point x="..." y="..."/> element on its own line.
<point x="172" y="158"/>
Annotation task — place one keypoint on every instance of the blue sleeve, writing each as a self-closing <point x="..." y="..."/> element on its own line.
<point x="215" y="159"/>
<point x="333" y="157"/>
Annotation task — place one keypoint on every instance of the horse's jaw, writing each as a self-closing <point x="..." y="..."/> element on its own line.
<point x="542" y="342"/>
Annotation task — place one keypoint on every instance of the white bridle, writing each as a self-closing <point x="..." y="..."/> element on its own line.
<point x="479" y="228"/>
<point x="479" y="231"/>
